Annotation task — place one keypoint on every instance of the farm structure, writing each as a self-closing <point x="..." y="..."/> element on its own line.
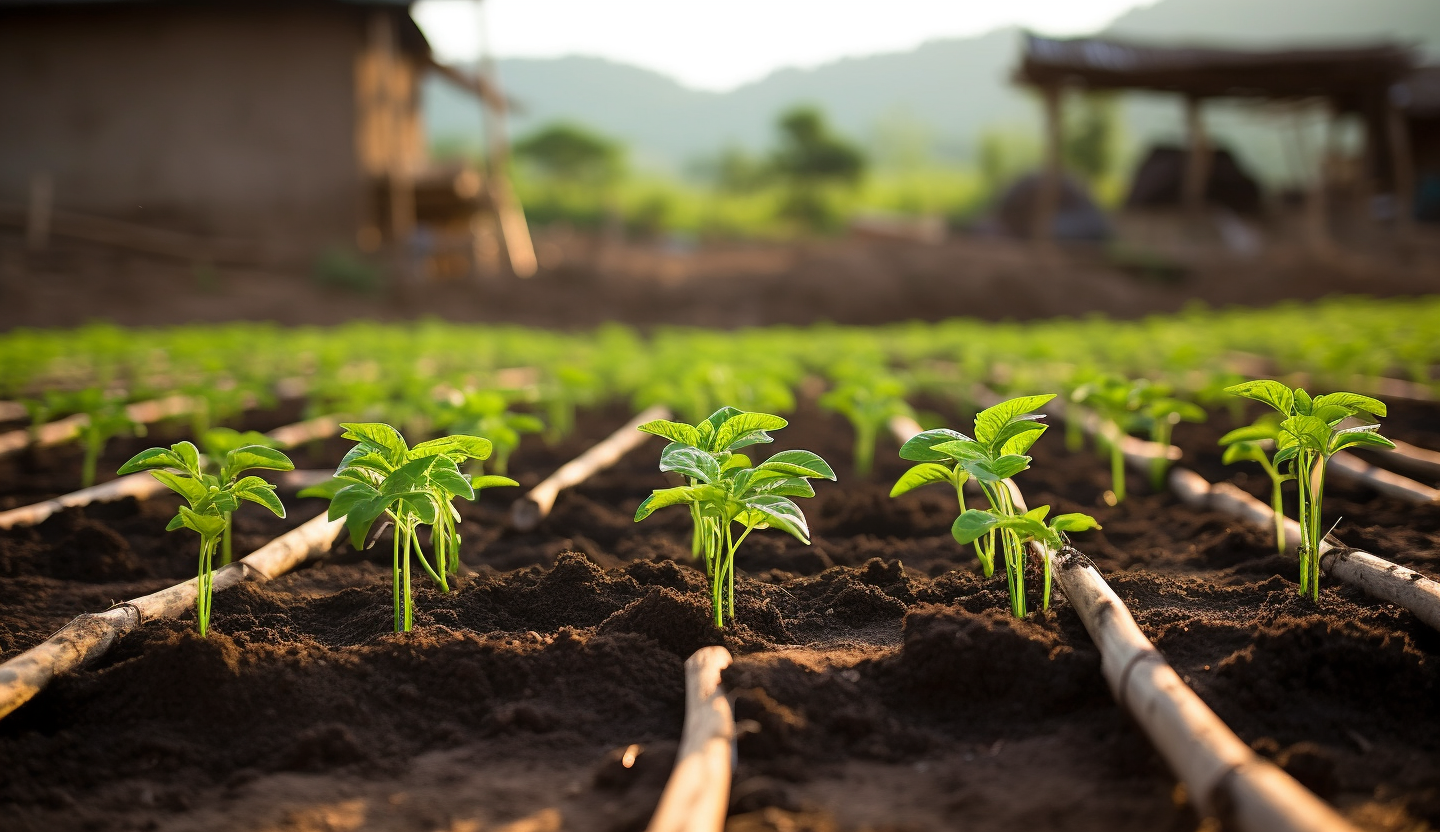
<point x="225" y="131"/>
<point x="1369" y="84"/>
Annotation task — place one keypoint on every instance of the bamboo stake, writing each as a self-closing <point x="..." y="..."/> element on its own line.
<point x="698" y="793"/>
<point x="1351" y="467"/>
<point x="12" y="411"/>
<point x="1373" y="575"/>
<point x="142" y="486"/>
<point x="904" y="427"/>
<point x="63" y="430"/>
<point x="527" y="512"/>
<point x="90" y="635"/>
<point x="1223" y="777"/>
<point x="1419" y="461"/>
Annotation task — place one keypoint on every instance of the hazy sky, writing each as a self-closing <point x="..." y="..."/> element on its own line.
<point x="720" y="44"/>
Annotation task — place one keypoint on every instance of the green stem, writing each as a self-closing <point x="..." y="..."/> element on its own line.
<point x="409" y="599"/>
<point x="864" y="449"/>
<point x="204" y="581"/>
<point x="225" y="542"/>
<point x="92" y="457"/>
<point x="1117" y="470"/>
<point x="395" y="578"/>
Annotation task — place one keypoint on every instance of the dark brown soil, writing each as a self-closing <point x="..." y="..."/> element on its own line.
<point x="879" y="682"/>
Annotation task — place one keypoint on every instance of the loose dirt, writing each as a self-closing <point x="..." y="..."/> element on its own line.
<point x="878" y="681"/>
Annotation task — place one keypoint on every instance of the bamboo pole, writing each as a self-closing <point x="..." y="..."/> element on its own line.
<point x="90" y="635"/>
<point x="142" y="486"/>
<point x="1373" y="575"/>
<point x="904" y="428"/>
<point x="63" y="430"/>
<point x="527" y="512"/>
<point x="1419" y="461"/>
<point x="12" y="411"/>
<point x="698" y="793"/>
<point x="1223" y="777"/>
<point x="1348" y="466"/>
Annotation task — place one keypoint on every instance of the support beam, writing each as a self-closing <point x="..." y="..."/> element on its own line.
<point x="1402" y="166"/>
<point x="1047" y="196"/>
<point x="1198" y="159"/>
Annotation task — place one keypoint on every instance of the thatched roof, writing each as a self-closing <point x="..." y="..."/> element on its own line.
<point x="1095" y="63"/>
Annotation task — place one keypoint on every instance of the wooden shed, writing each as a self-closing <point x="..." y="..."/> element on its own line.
<point x="254" y="127"/>
<point x="1353" y="80"/>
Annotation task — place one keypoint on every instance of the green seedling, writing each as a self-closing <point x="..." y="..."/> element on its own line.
<point x="105" y="418"/>
<point x="487" y="413"/>
<point x="1158" y="412"/>
<point x="1248" y="444"/>
<point x="869" y="403"/>
<point x="382" y="476"/>
<point x="211" y="498"/>
<point x="567" y="388"/>
<point x="218" y="443"/>
<point x="1308" y="436"/>
<point x="1109" y="397"/>
<point x="1003" y="434"/>
<point x="725" y="490"/>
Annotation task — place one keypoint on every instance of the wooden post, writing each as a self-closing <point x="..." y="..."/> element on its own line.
<point x="1197" y="159"/>
<point x="1402" y="167"/>
<point x="42" y="204"/>
<point x="1047" y="195"/>
<point x="392" y="93"/>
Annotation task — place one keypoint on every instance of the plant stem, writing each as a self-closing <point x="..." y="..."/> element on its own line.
<point x="395" y="578"/>
<point x="409" y="601"/>
<point x="92" y="456"/>
<point x="1117" y="471"/>
<point x="225" y="542"/>
<point x="864" y="448"/>
<point x="204" y="581"/>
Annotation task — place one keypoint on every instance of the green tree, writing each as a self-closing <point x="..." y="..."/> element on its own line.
<point x="565" y="151"/>
<point x="811" y="159"/>
<point x="1092" y="137"/>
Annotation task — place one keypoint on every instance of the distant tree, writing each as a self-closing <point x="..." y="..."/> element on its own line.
<point x="570" y="152"/>
<point x="809" y="159"/>
<point x="1092" y="137"/>
<point x="735" y="171"/>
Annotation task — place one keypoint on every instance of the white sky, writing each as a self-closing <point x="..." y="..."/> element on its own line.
<point x="721" y="44"/>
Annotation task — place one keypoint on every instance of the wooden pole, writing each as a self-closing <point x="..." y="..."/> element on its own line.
<point x="514" y="230"/>
<point x="1402" y="167"/>
<point x="528" y="511"/>
<point x="698" y="793"/>
<point x="42" y="204"/>
<point x="392" y="100"/>
<point x="1047" y="195"/>
<point x="1198" y="158"/>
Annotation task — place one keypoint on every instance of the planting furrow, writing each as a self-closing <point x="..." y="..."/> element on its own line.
<point x="697" y="794"/>
<point x="142" y="486"/>
<point x="535" y="506"/>
<point x="1374" y="575"/>
<point x="90" y="635"/>
<point x="63" y="430"/>
<point x="1223" y="777"/>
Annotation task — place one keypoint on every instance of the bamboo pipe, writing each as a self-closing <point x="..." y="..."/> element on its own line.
<point x="1413" y="458"/>
<point x="1223" y="777"/>
<point x="12" y="411"/>
<point x="1374" y="575"/>
<point x="63" y="430"/>
<point x="90" y="635"/>
<point x="527" y="512"/>
<point x="1348" y="466"/>
<point x="1139" y="453"/>
<point x="698" y="793"/>
<point x="142" y="486"/>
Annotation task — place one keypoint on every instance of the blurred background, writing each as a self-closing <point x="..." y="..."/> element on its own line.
<point x="565" y="163"/>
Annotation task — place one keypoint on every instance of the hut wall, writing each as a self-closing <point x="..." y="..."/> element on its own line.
<point x="212" y="119"/>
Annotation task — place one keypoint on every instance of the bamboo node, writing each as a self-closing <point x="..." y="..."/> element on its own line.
<point x="1071" y="558"/>
<point x="1149" y="654"/>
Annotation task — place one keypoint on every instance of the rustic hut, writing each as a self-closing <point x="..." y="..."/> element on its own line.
<point x="1354" y="80"/>
<point x="248" y="127"/>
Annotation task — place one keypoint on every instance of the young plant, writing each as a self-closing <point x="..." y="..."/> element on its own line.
<point x="486" y="413"/>
<point x="211" y="498"/>
<point x="725" y="490"/>
<point x="1109" y="397"/>
<point x="1158" y="412"/>
<point x="105" y="417"/>
<point x="868" y="402"/>
<point x="218" y="443"/>
<point x="382" y="476"/>
<point x="1309" y="435"/>
<point x="1003" y="434"/>
<point x="1248" y="443"/>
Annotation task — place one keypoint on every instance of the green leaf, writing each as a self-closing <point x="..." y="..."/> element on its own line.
<point x="743" y="426"/>
<point x="1303" y="403"/>
<point x="491" y="481"/>
<point x="420" y="505"/>
<point x="692" y="462"/>
<point x="1309" y="432"/>
<point x="453" y="482"/>
<point x="458" y="445"/>
<point x="188" y="456"/>
<point x="188" y="487"/>
<point x="257" y="457"/>
<point x="1020" y="436"/>
<point x="988" y="470"/>
<point x="351" y="498"/>
<point x="665" y="497"/>
<point x="1352" y="402"/>
<point x="972" y="525"/>
<point x="1039" y="513"/>
<point x="961" y="450"/>
<point x="780" y="513"/>
<point x="259" y="491"/>
<point x="1257" y="432"/>
<point x="149" y="459"/>
<point x="208" y="525"/>
<point x="923" y="474"/>
<point x="383" y="437"/>
<point x="790" y="487"/>
<point x="799" y="464"/>
<point x="992" y="420"/>
<point x="358" y="525"/>
<point x="751" y="479"/>
<point x="734" y="461"/>
<point x="327" y="489"/>
<point x="1074" y="523"/>
<point x="708" y="428"/>
<point x="1243" y="452"/>
<point x="920" y="447"/>
<point x="1273" y="393"/>
<point x="1364" y="435"/>
<point x="176" y="522"/>
<point x="366" y="456"/>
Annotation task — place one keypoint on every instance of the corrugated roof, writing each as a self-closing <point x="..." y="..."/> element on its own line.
<point x="1209" y="72"/>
